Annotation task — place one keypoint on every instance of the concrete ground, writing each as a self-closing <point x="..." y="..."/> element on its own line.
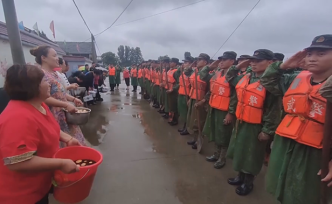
<point x="146" y="161"/>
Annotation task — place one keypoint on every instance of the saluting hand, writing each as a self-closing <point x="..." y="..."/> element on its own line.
<point x="295" y="61"/>
<point x="214" y="64"/>
<point x="243" y="64"/>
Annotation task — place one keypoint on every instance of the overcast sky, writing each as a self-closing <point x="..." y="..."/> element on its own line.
<point x="282" y="26"/>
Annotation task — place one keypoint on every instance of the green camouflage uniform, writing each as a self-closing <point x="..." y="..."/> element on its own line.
<point x="245" y="149"/>
<point x="292" y="173"/>
<point x="182" y="99"/>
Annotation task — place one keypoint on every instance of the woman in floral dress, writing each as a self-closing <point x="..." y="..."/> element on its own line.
<point x="59" y="100"/>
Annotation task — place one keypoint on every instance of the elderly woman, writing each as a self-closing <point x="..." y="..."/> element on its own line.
<point x="49" y="61"/>
<point x="29" y="137"/>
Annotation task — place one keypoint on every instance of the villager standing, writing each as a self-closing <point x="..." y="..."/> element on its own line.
<point x="134" y="77"/>
<point x="111" y="76"/>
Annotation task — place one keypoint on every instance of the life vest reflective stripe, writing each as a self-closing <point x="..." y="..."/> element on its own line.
<point x="133" y="72"/>
<point x="251" y="99"/>
<point x="140" y="73"/>
<point x="201" y="87"/>
<point x="111" y="71"/>
<point x="305" y="109"/>
<point x="182" y="86"/>
<point x="220" y="92"/>
<point x="171" y="79"/>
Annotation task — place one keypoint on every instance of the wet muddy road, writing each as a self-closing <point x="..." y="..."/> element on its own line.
<point x="146" y="161"/>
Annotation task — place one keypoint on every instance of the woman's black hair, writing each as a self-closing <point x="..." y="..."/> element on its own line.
<point x="40" y="51"/>
<point x="60" y="61"/>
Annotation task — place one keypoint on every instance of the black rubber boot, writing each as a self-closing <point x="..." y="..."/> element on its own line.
<point x="247" y="186"/>
<point x="238" y="180"/>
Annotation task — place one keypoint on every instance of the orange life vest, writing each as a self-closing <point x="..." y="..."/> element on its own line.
<point x="157" y="78"/>
<point x="171" y="79"/>
<point x="201" y="87"/>
<point x="140" y="73"/>
<point x="134" y="73"/>
<point x="111" y="71"/>
<point x="305" y="108"/>
<point x="147" y="74"/>
<point x="220" y="92"/>
<point x="184" y="88"/>
<point x="251" y="99"/>
<point x="153" y="76"/>
<point x="164" y="78"/>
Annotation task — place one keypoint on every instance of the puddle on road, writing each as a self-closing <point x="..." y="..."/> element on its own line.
<point x="114" y="108"/>
<point x="96" y="130"/>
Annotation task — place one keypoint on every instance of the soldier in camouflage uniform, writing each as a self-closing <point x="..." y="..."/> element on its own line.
<point x="257" y="119"/>
<point x="221" y="116"/>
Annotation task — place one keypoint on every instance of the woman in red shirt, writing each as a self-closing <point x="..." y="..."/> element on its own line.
<point x="126" y="77"/>
<point x="29" y="137"/>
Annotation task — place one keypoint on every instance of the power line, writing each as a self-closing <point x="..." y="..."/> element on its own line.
<point x="94" y="40"/>
<point x="82" y="16"/>
<point x="116" y="18"/>
<point x="237" y="27"/>
<point x="161" y="13"/>
<point x="151" y="15"/>
<point x="156" y="14"/>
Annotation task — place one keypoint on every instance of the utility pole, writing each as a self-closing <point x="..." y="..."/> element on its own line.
<point x="94" y="52"/>
<point x="13" y="31"/>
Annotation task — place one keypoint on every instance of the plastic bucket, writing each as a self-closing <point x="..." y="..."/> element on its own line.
<point x="73" y="188"/>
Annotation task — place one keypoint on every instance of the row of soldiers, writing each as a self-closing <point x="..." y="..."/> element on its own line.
<point x="236" y="103"/>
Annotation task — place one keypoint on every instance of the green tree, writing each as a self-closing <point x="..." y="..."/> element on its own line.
<point x="136" y="56"/>
<point x="162" y="57"/>
<point x="109" y="58"/>
<point x="129" y="56"/>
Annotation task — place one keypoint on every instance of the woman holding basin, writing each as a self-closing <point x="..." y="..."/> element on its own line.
<point x="29" y="137"/>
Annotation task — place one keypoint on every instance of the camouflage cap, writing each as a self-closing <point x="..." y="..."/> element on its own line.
<point x="321" y="42"/>
<point x="279" y="56"/>
<point x="189" y="59"/>
<point x="175" y="60"/>
<point x="263" y="54"/>
<point x="228" y="55"/>
<point x="204" y="56"/>
<point x="243" y="57"/>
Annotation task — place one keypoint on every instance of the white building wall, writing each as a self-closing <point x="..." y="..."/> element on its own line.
<point x="6" y="56"/>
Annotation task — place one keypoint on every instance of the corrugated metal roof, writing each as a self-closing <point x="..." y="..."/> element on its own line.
<point x="76" y="47"/>
<point x="32" y="39"/>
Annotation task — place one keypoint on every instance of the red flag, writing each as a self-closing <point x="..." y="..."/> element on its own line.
<point x="52" y="28"/>
<point x="78" y="48"/>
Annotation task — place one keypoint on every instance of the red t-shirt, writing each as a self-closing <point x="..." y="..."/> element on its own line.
<point x="126" y="74"/>
<point x="24" y="130"/>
